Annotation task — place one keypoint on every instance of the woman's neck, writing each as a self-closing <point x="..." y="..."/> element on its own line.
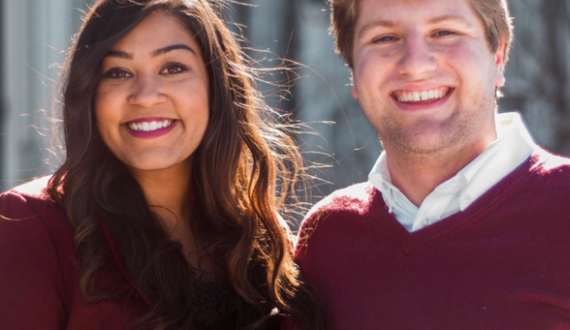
<point x="167" y="192"/>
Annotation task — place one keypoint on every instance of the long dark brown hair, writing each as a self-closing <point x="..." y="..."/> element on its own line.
<point x="236" y="192"/>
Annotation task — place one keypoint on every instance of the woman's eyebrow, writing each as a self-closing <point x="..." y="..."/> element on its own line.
<point x="158" y="52"/>
<point x="171" y="48"/>
<point x="119" y="54"/>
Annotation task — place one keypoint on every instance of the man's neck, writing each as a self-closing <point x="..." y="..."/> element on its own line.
<point x="417" y="175"/>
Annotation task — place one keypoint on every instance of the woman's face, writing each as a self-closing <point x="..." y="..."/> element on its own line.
<point x="152" y="102"/>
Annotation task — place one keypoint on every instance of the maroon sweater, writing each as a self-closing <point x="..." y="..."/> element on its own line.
<point x="503" y="263"/>
<point x="39" y="273"/>
<point x="39" y="276"/>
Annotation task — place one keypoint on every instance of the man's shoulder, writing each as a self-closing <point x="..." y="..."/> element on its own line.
<point x="548" y="160"/>
<point x="344" y="207"/>
<point x="356" y="199"/>
<point x="551" y="167"/>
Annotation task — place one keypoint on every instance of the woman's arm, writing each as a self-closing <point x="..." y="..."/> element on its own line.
<point x="31" y="282"/>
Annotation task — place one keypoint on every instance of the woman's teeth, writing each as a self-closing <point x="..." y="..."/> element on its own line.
<point x="149" y="126"/>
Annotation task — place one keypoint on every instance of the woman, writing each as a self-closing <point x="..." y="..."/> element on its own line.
<point x="164" y="213"/>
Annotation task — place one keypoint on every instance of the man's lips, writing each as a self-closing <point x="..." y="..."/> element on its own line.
<point x="425" y="95"/>
<point x="409" y="102"/>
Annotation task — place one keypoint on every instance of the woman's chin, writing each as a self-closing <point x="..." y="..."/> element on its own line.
<point x="155" y="165"/>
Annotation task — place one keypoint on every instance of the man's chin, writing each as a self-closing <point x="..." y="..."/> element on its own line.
<point x="420" y="148"/>
<point x="425" y="137"/>
<point x="426" y="144"/>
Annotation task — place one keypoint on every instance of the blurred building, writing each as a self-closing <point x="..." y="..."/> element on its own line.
<point x="35" y="33"/>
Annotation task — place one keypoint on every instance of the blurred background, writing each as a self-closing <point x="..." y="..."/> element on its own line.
<point x="34" y="35"/>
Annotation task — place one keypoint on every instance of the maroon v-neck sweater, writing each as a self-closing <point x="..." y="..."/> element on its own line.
<point x="503" y="263"/>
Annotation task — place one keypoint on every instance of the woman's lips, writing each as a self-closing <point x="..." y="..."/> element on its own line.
<point x="150" y="128"/>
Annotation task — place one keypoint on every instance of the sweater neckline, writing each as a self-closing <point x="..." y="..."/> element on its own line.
<point x="409" y="242"/>
<point x="120" y="264"/>
<point x="201" y="275"/>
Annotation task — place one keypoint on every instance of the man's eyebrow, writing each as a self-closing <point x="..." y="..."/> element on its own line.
<point x="369" y="26"/>
<point x="158" y="52"/>
<point x="389" y="23"/>
<point x="444" y="18"/>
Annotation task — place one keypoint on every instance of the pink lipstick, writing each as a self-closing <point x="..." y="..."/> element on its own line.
<point x="151" y="127"/>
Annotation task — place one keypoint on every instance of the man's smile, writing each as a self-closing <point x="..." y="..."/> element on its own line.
<point x="407" y="96"/>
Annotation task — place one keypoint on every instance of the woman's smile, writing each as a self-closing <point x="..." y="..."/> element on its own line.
<point x="149" y="128"/>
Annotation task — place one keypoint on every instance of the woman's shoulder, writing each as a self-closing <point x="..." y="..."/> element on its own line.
<point x="35" y="189"/>
<point x="28" y="217"/>
<point x="29" y="200"/>
<point x="28" y="207"/>
<point x="35" y="249"/>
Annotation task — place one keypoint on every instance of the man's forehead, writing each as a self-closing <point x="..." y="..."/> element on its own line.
<point x="427" y="10"/>
<point x="393" y="12"/>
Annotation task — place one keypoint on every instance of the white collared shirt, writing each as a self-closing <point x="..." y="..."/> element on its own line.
<point x="512" y="146"/>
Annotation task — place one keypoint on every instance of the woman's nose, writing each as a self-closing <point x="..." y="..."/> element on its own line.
<point x="147" y="93"/>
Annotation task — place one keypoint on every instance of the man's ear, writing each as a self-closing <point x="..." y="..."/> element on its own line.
<point x="500" y="65"/>
<point x="353" y="89"/>
<point x="353" y="92"/>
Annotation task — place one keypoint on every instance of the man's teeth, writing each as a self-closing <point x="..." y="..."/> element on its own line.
<point x="432" y="94"/>
<point x="149" y="126"/>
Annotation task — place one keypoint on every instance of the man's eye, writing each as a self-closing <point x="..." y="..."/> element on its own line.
<point x="117" y="73"/>
<point x="174" y="68"/>
<point x="384" y="39"/>
<point x="443" y="33"/>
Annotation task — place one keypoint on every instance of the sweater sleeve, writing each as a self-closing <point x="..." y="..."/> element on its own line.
<point x="31" y="282"/>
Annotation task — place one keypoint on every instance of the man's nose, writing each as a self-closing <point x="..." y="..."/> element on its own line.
<point x="418" y="60"/>
<point x="146" y="92"/>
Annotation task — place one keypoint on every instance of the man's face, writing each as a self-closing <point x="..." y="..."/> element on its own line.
<point x="425" y="76"/>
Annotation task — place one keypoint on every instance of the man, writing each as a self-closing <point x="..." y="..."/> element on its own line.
<point x="465" y="222"/>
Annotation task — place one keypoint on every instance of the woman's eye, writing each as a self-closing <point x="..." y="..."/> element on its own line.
<point x="117" y="73"/>
<point x="174" y="68"/>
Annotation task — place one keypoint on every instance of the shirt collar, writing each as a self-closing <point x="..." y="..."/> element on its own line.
<point x="510" y="131"/>
<point x="512" y="146"/>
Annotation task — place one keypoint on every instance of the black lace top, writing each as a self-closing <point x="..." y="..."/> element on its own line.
<point x="217" y="305"/>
